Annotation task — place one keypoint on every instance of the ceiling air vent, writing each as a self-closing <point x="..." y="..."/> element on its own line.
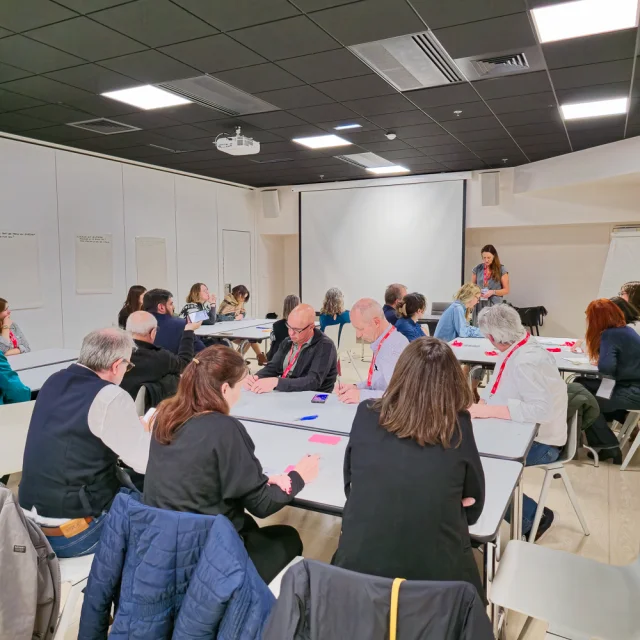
<point x="508" y="63"/>
<point x="104" y="126"/>
<point x="215" y="94"/>
<point x="157" y="146"/>
<point x="365" y="160"/>
<point x="491" y="65"/>
<point x="271" y="161"/>
<point x="410" y="62"/>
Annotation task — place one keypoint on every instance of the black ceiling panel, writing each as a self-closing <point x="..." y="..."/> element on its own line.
<point x="56" y="113"/>
<point x="523" y="103"/>
<point x="150" y="67"/>
<point x="304" y="96"/>
<point x="403" y="119"/>
<point x="21" y="15"/>
<point x="537" y="128"/>
<point x="602" y="47"/>
<point x="595" y="92"/>
<point x="381" y="104"/>
<point x="190" y="113"/>
<point x="44" y="89"/>
<point x="88" y="6"/>
<point x="94" y="78"/>
<point x="402" y="154"/>
<point x="513" y="85"/>
<point x="386" y="145"/>
<point x="15" y="121"/>
<point x="531" y="116"/>
<point x="12" y="101"/>
<point x="260" y="77"/>
<point x="473" y="124"/>
<point x="63" y="133"/>
<point x="365" y="126"/>
<point x="368" y="86"/>
<point x="431" y="141"/>
<point x="99" y="106"/>
<point x="416" y="131"/>
<point x="483" y="134"/>
<point x="590" y="74"/>
<point x="454" y="94"/>
<point x="148" y="120"/>
<point x="439" y="14"/>
<point x="273" y="120"/>
<point x="325" y="66"/>
<point x="34" y="56"/>
<point x="465" y="110"/>
<point x="323" y="113"/>
<point x="8" y="73"/>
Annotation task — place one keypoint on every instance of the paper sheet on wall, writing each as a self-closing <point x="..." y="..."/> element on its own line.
<point x="21" y="265"/>
<point x="94" y="264"/>
<point x="151" y="262"/>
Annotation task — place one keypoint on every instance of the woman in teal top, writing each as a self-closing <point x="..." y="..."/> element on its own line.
<point x="492" y="277"/>
<point x="11" y="387"/>
<point x="332" y="311"/>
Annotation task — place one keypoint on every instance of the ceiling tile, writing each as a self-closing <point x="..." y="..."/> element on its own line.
<point x="596" y="92"/>
<point x="438" y="14"/>
<point x="356" y="88"/>
<point x="483" y="134"/>
<point x="191" y="113"/>
<point x="44" y="89"/>
<point x="402" y="154"/>
<point x="365" y="126"/>
<point x="361" y="137"/>
<point x="323" y="113"/>
<point x="304" y="96"/>
<point x="590" y="74"/>
<point x="56" y="113"/>
<point x="431" y="141"/>
<point x="455" y="147"/>
<point x="20" y="15"/>
<point x="513" y="85"/>
<point x="85" y="38"/>
<point x="285" y="38"/>
<point x="328" y="65"/>
<point x="34" y="56"/>
<point x="154" y="22"/>
<point x="589" y="126"/>
<point x="448" y="157"/>
<point x="453" y="94"/>
<point x="533" y="116"/>
<point x="4" y="33"/>
<point x="503" y="145"/>
<point x="92" y="77"/>
<point x="63" y="133"/>
<point x="8" y="73"/>
<point x="214" y="53"/>
<point x="404" y="119"/>
<point x="523" y="103"/>
<point x="88" y="6"/>
<point x="473" y="124"/>
<point x="369" y="20"/>
<point x="386" y="145"/>
<point x="149" y="67"/>
<point x="273" y="120"/>
<point x="381" y="104"/>
<point x="467" y="165"/>
<point x="487" y="36"/>
<point x="602" y="47"/>
<point x="415" y="131"/>
<point x="536" y="128"/>
<point x="15" y="121"/>
<point x="260" y="77"/>
<point x="183" y="132"/>
<point x="99" y="106"/>
<point x="226" y="15"/>
<point x="467" y="109"/>
<point x="11" y="101"/>
<point x="148" y="120"/>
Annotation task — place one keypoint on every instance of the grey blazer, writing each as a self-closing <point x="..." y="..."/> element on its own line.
<point x="7" y="345"/>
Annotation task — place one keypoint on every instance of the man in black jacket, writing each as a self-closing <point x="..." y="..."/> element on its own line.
<point x="306" y="361"/>
<point x="156" y="368"/>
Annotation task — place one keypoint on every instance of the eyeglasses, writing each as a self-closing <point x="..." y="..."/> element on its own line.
<point x="298" y="331"/>
<point x="130" y="365"/>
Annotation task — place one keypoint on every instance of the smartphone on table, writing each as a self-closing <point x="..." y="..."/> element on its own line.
<point x="320" y="398"/>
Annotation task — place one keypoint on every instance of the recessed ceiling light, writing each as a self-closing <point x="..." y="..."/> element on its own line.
<point x="394" y="168"/>
<point x="342" y="127"/>
<point x="584" y="18"/>
<point x="320" y="142"/>
<point x="147" y="97"/>
<point x="594" y="109"/>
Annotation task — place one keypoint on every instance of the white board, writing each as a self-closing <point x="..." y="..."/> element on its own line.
<point x="94" y="264"/>
<point x="623" y="262"/>
<point x="20" y="260"/>
<point x="151" y="262"/>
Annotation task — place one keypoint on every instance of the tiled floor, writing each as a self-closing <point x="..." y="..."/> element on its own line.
<point x="610" y="501"/>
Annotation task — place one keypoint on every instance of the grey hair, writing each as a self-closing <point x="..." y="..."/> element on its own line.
<point x="333" y="303"/>
<point x="141" y="323"/>
<point x="502" y="322"/>
<point x="369" y="308"/>
<point x="290" y="303"/>
<point x="102" y="347"/>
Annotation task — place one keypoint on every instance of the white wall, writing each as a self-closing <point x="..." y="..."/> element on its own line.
<point x="59" y="194"/>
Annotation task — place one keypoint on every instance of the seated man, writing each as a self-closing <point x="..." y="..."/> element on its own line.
<point x="370" y="323"/>
<point x="393" y="297"/>
<point x="159" y="303"/>
<point x="154" y="367"/>
<point x="81" y="424"/>
<point x="526" y="386"/>
<point x="306" y="361"/>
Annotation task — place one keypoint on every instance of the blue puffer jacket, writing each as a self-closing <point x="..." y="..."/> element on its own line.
<point x="173" y="575"/>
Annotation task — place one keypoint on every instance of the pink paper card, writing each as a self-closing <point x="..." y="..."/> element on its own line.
<point x="323" y="439"/>
<point x="554" y="349"/>
<point x="490" y="353"/>
<point x="457" y="343"/>
<point x="291" y="467"/>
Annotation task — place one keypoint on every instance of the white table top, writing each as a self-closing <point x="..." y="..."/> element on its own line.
<point x="494" y="438"/>
<point x="35" y="378"/>
<point x="473" y="352"/>
<point x="42" y="358"/>
<point x="279" y="447"/>
<point x="249" y="333"/>
<point x="233" y="325"/>
<point x="14" y="425"/>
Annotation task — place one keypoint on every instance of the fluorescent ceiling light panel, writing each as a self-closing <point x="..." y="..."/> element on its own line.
<point x="147" y="97"/>
<point x="347" y="126"/>
<point x="394" y="168"/>
<point x="321" y="142"/>
<point x="584" y="18"/>
<point x="594" y="109"/>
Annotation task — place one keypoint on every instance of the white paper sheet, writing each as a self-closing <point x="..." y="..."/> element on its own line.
<point x="21" y="266"/>
<point x="94" y="264"/>
<point x="606" y="388"/>
<point x="151" y="262"/>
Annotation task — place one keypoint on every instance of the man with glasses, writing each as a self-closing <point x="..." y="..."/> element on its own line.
<point x="306" y="361"/>
<point x="82" y="423"/>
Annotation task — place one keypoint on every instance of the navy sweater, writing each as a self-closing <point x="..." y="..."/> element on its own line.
<point x="620" y="355"/>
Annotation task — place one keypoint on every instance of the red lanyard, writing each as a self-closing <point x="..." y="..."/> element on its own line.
<point x="292" y="361"/>
<point x="486" y="275"/>
<point x="13" y="339"/>
<point x="375" y="355"/>
<point x="504" y="363"/>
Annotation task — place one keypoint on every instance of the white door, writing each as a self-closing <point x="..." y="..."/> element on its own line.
<point x="236" y="262"/>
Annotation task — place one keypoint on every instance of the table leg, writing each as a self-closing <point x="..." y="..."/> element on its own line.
<point x="516" y="513"/>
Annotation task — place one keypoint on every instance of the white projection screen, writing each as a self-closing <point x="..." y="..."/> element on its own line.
<point x="363" y="239"/>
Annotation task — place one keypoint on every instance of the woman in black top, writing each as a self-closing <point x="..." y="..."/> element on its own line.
<point x="131" y="304"/>
<point x="410" y="469"/>
<point x="201" y="460"/>
<point x="279" y="331"/>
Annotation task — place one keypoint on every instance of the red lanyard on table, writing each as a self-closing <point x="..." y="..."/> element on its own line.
<point x="504" y="363"/>
<point x="292" y="361"/>
<point x="375" y="355"/>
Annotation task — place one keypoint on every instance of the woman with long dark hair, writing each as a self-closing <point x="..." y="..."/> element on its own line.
<point x="131" y="304"/>
<point x="492" y="277"/>
<point x="201" y="460"/>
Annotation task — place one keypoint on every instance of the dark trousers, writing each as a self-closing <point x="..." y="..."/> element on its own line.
<point x="599" y="434"/>
<point x="270" y="548"/>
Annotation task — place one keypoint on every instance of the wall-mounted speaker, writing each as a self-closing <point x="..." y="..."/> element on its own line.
<point x="490" y="185"/>
<point x="270" y="203"/>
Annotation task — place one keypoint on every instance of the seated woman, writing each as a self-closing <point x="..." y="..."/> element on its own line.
<point x="630" y="291"/>
<point x="232" y="308"/>
<point x="280" y="331"/>
<point x="131" y="304"/>
<point x="12" y="340"/>
<point x="201" y="460"/>
<point x="411" y="309"/>
<point x="11" y="387"/>
<point x="332" y="311"/>
<point x="411" y="468"/>
<point x="199" y="299"/>
<point x="631" y="314"/>
<point x="615" y="348"/>
<point x="454" y="322"/>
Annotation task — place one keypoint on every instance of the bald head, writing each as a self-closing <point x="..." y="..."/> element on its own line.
<point x="142" y="326"/>
<point x="301" y="323"/>
<point x="368" y="319"/>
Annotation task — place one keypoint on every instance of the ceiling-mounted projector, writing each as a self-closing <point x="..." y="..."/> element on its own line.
<point x="237" y="145"/>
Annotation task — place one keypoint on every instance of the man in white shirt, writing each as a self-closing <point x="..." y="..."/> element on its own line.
<point x="526" y="386"/>
<point x="371" y="325"/>
<point x="82" y="423"/>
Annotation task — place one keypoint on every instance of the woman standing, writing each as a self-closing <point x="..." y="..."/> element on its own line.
<point x="131" y="304"/>
<point x="280" y="331"/>
<point x="410" y="311"/>
<point x="332" y="311"/>
<point x="12" y="340"/>
<point x="492" y="277"/>
<point x="201" y="460"/>
<point x="410" y="468"/>
<point x="199" y="299"/>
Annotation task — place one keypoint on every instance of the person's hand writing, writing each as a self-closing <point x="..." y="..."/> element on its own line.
<point x="264" y="385"/>
<point x="281" y="480"/>
<point x="577" y="347"/>
<point x="349" y="394"/>
<point x="248" y="383"/>
<point x="468" y="502"/>
<point x="308" y="468"/>
<point x="192" y="326"/>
